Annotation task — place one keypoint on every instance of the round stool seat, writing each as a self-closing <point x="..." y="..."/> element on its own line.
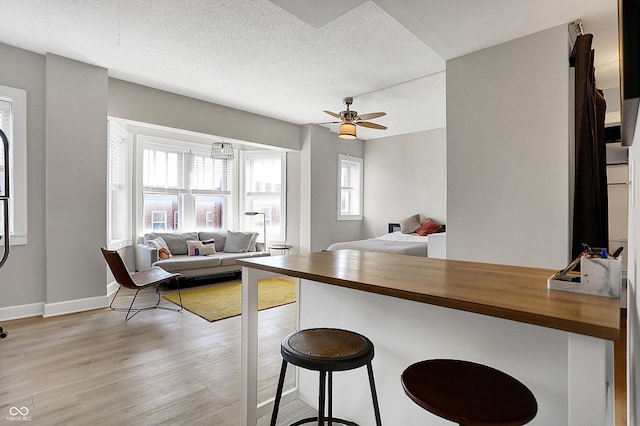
<point x="469" y="393"/>
<point x="327" y="349"/>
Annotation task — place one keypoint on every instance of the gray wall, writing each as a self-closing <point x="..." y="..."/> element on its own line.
<point x="319" y="225"/>
<point x="508" y="152"/>
<point x="76" y="179"/>
<point x="148" y="105"/>
<point x="404" y="175"/>
<point x="22" y="277"/>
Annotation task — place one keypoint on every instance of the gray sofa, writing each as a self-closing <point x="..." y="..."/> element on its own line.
<point x="239" y="245"/>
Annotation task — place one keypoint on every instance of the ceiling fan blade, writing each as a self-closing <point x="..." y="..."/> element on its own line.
<point x="370" y="125"/>
<point x="370" y="116"/>
<point x="330" y="122"/>
<point x="333" y="114"/>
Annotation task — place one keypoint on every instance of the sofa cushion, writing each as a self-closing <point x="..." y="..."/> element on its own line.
<point x="177" y="242"/>
<point x="227" y="259"/>
<point x="238" y="242"/>
<point x="220" y="238"/>
<point x="181" y="263"/>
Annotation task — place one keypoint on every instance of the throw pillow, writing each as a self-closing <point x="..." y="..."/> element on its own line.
<point x="237" y="242"/>
<point x="201" y="248"/>
<point x="429" y="226"/>
<point x="219" y="236"/>
<point x="410" y="224"/>
<point x="159" y="244"/>
<point x="163" y="253"/>
<point x="208" y="246"/>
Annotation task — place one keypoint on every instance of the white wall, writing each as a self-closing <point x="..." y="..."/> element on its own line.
<point x="508" y="152"/>
<point x="633" y="303"/>
<point x="293" y="201"/>
<point x="319" y="226"/>
<point x="404" y="175"/>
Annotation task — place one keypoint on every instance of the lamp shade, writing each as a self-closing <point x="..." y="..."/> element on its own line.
<point x="347" y="131"/>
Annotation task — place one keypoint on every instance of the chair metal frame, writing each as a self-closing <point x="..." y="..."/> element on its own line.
<point x="137" y="281"/>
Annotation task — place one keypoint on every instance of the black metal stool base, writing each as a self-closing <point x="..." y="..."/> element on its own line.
<point x="315" y="420"/>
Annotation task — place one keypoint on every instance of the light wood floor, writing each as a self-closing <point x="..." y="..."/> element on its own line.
<point x="161" y="367"/>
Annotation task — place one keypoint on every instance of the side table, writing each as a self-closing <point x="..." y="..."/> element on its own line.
<point x="284" y="248"/>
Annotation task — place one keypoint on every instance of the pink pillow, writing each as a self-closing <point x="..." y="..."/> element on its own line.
<point x="429" y="226"/>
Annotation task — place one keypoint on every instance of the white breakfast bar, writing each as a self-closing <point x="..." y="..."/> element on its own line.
<point x="558" y="344"/>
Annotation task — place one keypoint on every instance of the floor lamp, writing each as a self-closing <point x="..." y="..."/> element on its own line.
<point x="264" y="226"/>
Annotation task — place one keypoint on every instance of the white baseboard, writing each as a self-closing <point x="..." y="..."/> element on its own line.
<point x="112" y="287"/>
<point x="72" y="306"/>
<point x="59" y="308"/>
<point x="22" y="311"/>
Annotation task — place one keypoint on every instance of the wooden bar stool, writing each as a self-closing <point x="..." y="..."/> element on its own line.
<point x="469" y="394"/>
<point x="326" y="350"/>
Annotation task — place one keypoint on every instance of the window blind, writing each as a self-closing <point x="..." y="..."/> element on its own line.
<point x="162" y="169"/>
<point x="209" y="174"/>
<point x="348" y="171"/>
<point x="116" y="161"/>
<point x="165" y="169"/>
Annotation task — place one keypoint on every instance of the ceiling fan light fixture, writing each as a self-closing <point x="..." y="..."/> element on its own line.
<point x="347" y="131"/>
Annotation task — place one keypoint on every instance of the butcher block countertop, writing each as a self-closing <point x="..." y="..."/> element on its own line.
<point x="509" y="292"/>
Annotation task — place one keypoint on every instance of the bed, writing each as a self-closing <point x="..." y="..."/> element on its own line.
<point x="394" y="242"/>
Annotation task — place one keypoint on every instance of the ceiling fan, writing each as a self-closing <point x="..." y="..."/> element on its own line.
<point x="349" y="119"/>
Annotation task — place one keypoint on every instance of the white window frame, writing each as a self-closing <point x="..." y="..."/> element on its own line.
<point x="164" y="222"/>
<point x="17" y="163"/>
<point x="186" y="196"/>
<point x="117" y="134"/>
<point x="358" y="191"/>
<point x="245" y="194"/>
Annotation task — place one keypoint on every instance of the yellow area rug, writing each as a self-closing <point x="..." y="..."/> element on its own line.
<point x="224" y="301"/>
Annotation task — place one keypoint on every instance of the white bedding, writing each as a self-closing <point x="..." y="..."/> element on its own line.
<point x="399" y="236"/>
<point x="395" y="242"/>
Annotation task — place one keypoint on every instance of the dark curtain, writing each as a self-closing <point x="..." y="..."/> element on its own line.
<point x="590" y="206"/>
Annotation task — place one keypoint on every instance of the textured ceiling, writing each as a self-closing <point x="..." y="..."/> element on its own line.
<point x="292" y="59"/>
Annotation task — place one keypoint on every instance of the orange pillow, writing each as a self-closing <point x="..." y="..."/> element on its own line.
<point x="163" y="253"/>
<point x="429" y="226"/>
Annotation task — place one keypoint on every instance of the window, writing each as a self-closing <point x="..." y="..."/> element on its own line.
<point x="183" y="187"/>
<point x="119" y="191"/>
<point x="264" y="174"/>
<point x="13" y="121"/>
<point x="350" y="176"/>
